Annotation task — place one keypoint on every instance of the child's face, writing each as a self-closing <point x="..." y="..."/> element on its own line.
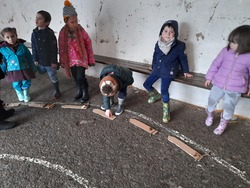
<point x="40" y="21"/>
<point x="234" y="46"/>
<point x="10" y="38"/>
<point x="72" y="23"/>
<point x="168" y="34"/>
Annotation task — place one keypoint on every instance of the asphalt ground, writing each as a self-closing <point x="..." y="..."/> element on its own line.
<point x="77" y="148"/>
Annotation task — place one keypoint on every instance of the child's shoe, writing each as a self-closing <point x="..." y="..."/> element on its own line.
<point x="20" y="95"/>
<point x="222" y="126"/>
<point x="154" y="96"/>
<point x="26" y="95"/>
<point x="166" y="112"/>
<point x="57" y="93"/>
<point x="119" y="108"/>
<point x="210" y="118"/>
<point x="4" y="125"/>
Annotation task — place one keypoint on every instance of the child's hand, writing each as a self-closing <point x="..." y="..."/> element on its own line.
<point x="207" y="83"/>
<point x="108" y="113"/>
<point x="187" y="75"/>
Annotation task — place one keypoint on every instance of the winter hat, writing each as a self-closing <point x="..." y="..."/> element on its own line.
<point x="173" y="24"/>
<point x="68" y="10"/>
<point x="109" y="86"/>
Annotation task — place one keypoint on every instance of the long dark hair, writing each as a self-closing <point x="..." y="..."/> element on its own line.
<point x="241" y="36"/>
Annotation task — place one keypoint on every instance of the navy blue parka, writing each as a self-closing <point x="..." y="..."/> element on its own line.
<point x="167" y="66"/>
<point x="44" y="46"/>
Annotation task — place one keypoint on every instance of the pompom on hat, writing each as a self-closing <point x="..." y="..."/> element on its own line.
<point x="68" y="10"/>
<point x="108" y="86"/>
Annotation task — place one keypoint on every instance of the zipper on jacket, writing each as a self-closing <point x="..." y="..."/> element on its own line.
<point x="229" y="75"/>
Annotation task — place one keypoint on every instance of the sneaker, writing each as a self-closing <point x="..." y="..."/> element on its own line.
<point x="119" y="110"/>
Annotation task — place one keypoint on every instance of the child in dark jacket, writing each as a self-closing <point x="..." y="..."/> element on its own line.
<point x="114" y="79"/>
<point x="169" y="55"/>
<point x="17" y="63"/>
<point x="4" y="114"/>
<point x="44" y="49"/>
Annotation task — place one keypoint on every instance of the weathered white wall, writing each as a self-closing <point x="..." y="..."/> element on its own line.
<point x="129" y="30"/>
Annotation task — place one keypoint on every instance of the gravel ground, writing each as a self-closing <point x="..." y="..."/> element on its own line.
<point x="78" y="148"/>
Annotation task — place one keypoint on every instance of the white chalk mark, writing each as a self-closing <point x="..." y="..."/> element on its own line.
<point x="224" y="163"/>
<point x="47" y="164"/>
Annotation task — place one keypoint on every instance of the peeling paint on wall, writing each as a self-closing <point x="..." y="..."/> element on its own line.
<point x="187" y="5"/>
<point x="214" y="7"/>
<point x="104" y="41"/>
<point x="11" y="19"/>
<point x="199" y="36"/>
<point x="100" y="10"/>
<point x="24" y="18"/>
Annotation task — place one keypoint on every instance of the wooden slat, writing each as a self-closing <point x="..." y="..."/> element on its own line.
<point x="143" y="126"/>
<point x="197" y="81"/>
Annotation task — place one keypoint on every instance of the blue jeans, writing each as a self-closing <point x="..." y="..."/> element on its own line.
<point x="122" y="93"/>
<point x="21" y="85"/>
<point x="165" y="83"/>
<point x="52" y="73"/>
<point x="230" y="101"/>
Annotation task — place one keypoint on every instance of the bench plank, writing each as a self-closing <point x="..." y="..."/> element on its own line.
<point x="197" y="80"/>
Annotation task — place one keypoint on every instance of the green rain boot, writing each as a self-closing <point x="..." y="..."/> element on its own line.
<point x="166" y="112"/>
<point x="154" y="96"/>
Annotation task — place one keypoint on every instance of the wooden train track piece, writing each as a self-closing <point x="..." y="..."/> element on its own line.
<point x="15" y="104"/>
<point x="42" y="105"/>
<point x="143" y="126"/>
<point x="80" y="107"/>
<point x="190" y="151"/>
<point x="102" y="113"/>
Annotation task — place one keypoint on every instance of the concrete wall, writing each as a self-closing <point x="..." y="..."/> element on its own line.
<point x="129" y="30"/>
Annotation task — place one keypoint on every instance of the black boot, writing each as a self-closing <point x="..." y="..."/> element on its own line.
<point x="85" y="92"/>
<point x="4" y="125"/>
<point x="85" y="95"/>
<point x="57" y="93"/>
<point x="4" y="114"/>
<point x="79" y="93"/>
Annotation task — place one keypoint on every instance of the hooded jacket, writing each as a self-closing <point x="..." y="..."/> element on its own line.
<point x="17" y="63"/>
<point x="230" y="71"/>
<point x="168" y="65"/>
<point x="123" y="76"/>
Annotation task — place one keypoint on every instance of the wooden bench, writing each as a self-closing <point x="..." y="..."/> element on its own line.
<point x="197" y="80"/>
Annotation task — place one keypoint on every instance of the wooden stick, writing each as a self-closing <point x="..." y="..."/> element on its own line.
<point x="143" y="126"/>
<point x="75" y="106"/>
<point x="13" y="104"/>
<point x="102" y="113"/>
<point x="190" y="151"/>
<point x="42" y="105"/>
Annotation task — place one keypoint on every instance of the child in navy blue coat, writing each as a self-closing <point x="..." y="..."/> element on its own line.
<point x="44" y="49"/>
<point x="169" y="56"/>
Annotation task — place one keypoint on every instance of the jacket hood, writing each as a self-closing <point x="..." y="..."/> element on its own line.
<point x="172" y="23"/>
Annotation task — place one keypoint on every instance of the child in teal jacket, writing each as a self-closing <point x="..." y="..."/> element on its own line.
<point x="17" y="63"/>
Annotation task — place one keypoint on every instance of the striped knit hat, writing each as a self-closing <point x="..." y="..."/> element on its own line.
<point x="68" y="10"/>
